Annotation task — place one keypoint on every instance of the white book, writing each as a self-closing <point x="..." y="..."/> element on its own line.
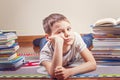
<point x="7" y="36"/>
<point x="107" y="22"/>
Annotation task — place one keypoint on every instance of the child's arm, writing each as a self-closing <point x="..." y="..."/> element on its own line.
<point x="89" y="65"/>
<point x="57" y="56"/>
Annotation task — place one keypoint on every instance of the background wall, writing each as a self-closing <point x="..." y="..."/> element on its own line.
<point x="25" y="16"/>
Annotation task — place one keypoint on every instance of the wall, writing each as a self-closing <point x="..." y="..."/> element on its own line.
<point x="25" y="16"/>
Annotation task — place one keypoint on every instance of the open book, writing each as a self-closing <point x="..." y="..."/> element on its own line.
<point x="107" y="22"/>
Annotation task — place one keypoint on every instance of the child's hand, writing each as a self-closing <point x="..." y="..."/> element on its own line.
<point x="56" y="38"/>
<point x="61" y="73"/>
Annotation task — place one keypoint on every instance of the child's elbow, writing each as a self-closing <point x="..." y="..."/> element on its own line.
<point x="52" y="74"/>
<point x="94" y="66"/>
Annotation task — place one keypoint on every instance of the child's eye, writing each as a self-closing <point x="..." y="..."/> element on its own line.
<point x="59" y="32"/>
<point x="69" y="29"/>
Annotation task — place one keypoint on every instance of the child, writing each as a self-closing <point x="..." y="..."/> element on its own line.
<point x="64" y="48"/>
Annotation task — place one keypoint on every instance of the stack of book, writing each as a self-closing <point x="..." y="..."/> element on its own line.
<point x="9" y="60"/>
<point x="106" y="42"/>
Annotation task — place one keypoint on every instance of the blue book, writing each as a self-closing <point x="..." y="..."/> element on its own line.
<point x="15" y="44"/>
<point x="110" y="60"/>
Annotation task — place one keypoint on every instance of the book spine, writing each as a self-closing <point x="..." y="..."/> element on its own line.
<point x="8" y="58"/>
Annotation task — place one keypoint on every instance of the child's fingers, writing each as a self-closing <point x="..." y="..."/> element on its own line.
<point x="58" y="68"/>
<point x="62" y="35"/>
<point x="58" y="73"/>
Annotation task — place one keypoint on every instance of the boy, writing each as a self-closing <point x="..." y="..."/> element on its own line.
<point x="64" y="47"/>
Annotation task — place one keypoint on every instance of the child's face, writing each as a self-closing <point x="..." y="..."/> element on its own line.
<point x="63" y="28"/>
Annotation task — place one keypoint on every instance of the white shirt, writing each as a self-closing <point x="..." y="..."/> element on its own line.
<point x="72" y="56"/>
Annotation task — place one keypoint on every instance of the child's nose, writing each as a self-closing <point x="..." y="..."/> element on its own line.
<point x="66" y="34"/>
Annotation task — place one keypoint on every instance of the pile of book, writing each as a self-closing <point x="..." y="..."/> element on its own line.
<point x="106" y="42"/>
<point x="9" y="60"/>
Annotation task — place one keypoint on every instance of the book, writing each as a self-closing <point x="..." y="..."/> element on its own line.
<point x="8" y="31"/>
<point x="12" y="64"/>
<point x="9" y="50"/>
<point x="106" y="22"/>
<point x="15" y="44"/>
<point x="104" y="35"/>
<point x="7" y="44"/>
<point x="7" y="36"/>
<point x="7" y="57"/>
<point x="108" y="63"/>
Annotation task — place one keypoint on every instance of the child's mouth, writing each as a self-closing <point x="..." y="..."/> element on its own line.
<point x="67" y="40"/>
